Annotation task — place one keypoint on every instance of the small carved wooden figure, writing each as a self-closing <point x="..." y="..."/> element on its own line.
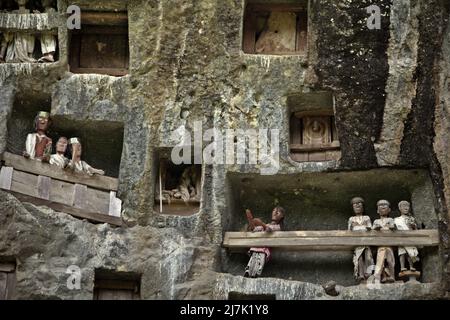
<point x="362" y="256"/>
<point x="78" y="165"/>
<point x="385" y="255"/>
<point x="48" y="41"/>
<point x="17" y="46"/>
<point x="38" y="146"/>
<point x="59" y="159"/>
<point x="406" y="222"/>
<point x="260" y="256"/>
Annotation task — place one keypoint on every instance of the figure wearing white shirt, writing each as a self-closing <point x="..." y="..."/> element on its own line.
<point x="406" y="222"/>
<point x="78" y="165"/>
<point x="38" y="146"/>
<point x="59" y="159"/>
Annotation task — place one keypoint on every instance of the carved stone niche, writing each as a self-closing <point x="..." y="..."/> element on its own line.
<point x="313" y="134"/>
<point x="113" y="285"/>
<point x="180" y="186"/>
<point x="101" y="45"/>
<point x="274" y="28"/>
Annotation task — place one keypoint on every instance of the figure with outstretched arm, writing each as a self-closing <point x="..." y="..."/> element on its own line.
<point x="260" y="256"/>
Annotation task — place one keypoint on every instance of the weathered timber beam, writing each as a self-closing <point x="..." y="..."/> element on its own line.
<point x="44" y="169"/>
<point x="91" y="216"/>
<point x="329" y="240"/>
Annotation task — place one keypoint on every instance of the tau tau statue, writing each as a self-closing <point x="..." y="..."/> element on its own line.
<point x="406" y="222"/>
<point x="48" y="41"/>
<point x="385" y="267"/>
<point x="17" y="46"/>
<point x="78" y="165"/>
<point x="189" y="186"/>
<point x="260" y="256"/>
<point x="38" y="146"/>
<point x="59" y="158"/>
<point x="362" y="256"/>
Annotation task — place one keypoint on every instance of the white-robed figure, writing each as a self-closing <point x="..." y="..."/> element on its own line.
<point x="18" y="46"/>
<point x="48" y="41"/>
<point x="59" y="159"/>
<point x="78" y="165"/>
<point x="362" y="256"/>
<point x="38" y="146"/>
<point x="406" y="222"/>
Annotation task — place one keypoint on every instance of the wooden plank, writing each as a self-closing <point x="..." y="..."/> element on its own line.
<point x="263" y="7"/>
<point x="3" y="285"/>
<point x="10" y="285"/>
<point x="313" y="147"/>
<point x="25" y="183"/>
<point x="104" y="18"/>
<point x="79" y="213"/>
<point x="79" y="196"/>
<point x="115" y="205"/>
<point x="44" y="169"/>
<point x="61" y="192"/>
<point x="325" y="240"/>
<point x="44" y="185"/>
<point x="97" y="201"/>
<point x="6" y="177"/>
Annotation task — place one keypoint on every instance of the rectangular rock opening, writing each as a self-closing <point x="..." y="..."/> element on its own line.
<point x="113" y="285"/>
<point x="101" y="45"/>
<point x="312" y="128"/>
<point x="180" y="186"/>
<point x="7" y="280"/>
<point x="321" y="201"/>
<point x="275" y="27"/>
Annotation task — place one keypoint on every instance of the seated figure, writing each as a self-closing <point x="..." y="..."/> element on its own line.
<point x="59" y="159"/>
<point x="362" y="256"/>
<point x="260" y="256"/>
<point x="38" y="146"/>
<point x="18" y="47"/>
<point x="385" y="255"/>
<point x="78" y="165"/>
<point x="48" y="41"/>
<point x="406" y="222"/>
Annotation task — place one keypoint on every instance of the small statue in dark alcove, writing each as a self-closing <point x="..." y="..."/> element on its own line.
<point x="78" y="165"/>
<point x="59" y="159"/>
<point x="48" y="41"/>
<point x="18" y="46"/>
<point x="362" y="256"/>
<point x="260" y="256"/>
<point x="406" y="222"/>
<point x="38" y="146"/>
<point x="385" y="255"/>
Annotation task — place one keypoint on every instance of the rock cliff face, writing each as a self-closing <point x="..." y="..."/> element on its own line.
<point x="391" y="101"/>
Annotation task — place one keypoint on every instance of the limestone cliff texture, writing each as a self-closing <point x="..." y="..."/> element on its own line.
<point x="391" y="102"/>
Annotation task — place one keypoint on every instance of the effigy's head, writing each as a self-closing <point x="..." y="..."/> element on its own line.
<point x="383" y="208"/>
<point x="357" y="205"/>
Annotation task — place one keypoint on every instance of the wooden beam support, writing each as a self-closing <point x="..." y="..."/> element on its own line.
<point x="38" y="168"/>
<point x="83" y="214"/>
<point x="104" y="18"/>
<point x="329" y="240"/>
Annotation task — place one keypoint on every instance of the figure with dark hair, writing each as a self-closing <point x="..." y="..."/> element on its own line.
<point x="38" y="146"/>
<point x="18" y="47"/>
<point x="385" y="267"/>
<point x="362" y="256"/>
<point x="48" y="41"/>
<point x="59" y="158"/>
<point x="78" y="165"/>
<point x="260" y="256"/>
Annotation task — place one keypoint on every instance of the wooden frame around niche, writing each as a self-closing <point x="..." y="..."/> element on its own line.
<point x="253" y="10"/>
<point x="112" y="29"/>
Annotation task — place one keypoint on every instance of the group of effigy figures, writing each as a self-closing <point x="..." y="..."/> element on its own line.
<point x="364" y="266"/>
<point x="38" y="146"/>
<point x="18" y="47"/>
<point x="385" y="259"/>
